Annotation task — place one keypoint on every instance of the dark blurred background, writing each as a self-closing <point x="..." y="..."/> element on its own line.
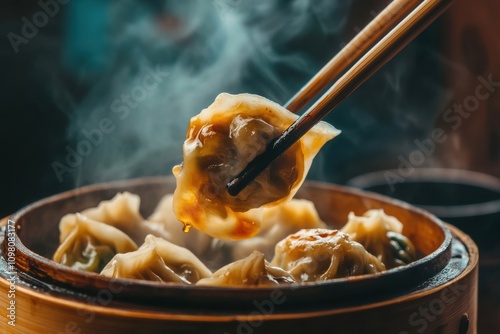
<point x="70" y="68"/>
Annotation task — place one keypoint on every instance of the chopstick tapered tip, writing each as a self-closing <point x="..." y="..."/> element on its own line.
<point x="234" y="186"/>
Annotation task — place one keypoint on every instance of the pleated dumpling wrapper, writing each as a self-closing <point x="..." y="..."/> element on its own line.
<point x="122" y="212"/>
<point x="253" y="270"/>
<point x="317" y="254"/>
<point x="86" y="244"/>
<point x="219" y="144"/>
<point x="160" y="261"/>
<point x="381" y="235"/>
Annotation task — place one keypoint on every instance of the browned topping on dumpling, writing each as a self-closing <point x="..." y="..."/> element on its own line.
<point x="320" y="254"/>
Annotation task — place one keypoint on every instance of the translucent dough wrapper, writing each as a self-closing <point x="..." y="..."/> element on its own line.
<point x="213" y="252"/>
<point x="89" y="245"/>
<point x="312" y="255"/>
<point x="253" y="270"/>
<point x="276" y="222"/>
<point x="160" y="261"/>
<point x="122" y="212"/>
<point x="219" y="144"/>
<point x="382" y="236"/>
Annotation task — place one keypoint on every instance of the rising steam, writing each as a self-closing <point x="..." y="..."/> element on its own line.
<point x="166" y="61"/>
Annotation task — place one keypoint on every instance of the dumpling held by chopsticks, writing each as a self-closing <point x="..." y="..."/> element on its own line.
<point x="219" y="144"/>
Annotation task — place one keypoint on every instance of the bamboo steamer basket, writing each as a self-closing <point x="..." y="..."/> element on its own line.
<point x="436" y="294"/>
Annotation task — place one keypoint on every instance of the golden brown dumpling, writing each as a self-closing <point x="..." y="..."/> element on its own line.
<point x="160" y="261"/>
<point x="86" y="244"/>
<point x="312" y="255"/>
<point x="382" y="236"/>
<point x="220" y="142"/>
<point x="253" y="270"/>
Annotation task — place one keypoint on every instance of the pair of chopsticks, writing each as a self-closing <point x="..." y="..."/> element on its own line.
<point x="413" y="17"/>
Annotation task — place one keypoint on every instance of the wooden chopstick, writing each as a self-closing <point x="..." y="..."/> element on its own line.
<point x="365" y="39"/>
<point x="373" y="60"/>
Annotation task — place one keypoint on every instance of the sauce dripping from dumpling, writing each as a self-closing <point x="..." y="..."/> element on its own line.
<point x="187" y="227"/>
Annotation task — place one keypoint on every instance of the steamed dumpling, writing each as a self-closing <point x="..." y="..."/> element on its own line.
<point x="312" y="255"/>
<point x="122" y="212"/>
<point x="89" y="245"/>
<point x="220" y="142"/>
<point x="160" y="261"/>
<point x="195" y="240"/>
<point x="213" y="252"/>
<point x="253" y="270"/>
<point x="277" y="222"/>
<point x="382" y="236"/>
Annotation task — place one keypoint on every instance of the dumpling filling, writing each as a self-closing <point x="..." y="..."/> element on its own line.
<point x="88" y="245"/>
<point x="382" y="236"/>
<point x="158" y="260"/>
<point x="220" y="142"/>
